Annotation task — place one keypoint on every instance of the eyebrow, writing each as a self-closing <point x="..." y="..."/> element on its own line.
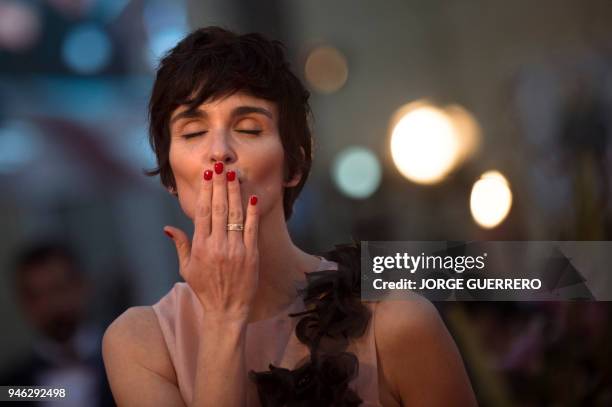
<point x="238" y="111"/>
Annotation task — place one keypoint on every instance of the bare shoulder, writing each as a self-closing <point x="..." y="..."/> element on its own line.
<point x="419" y="359"/>
<point x="136" y="335"/>
<point x="415" y="318"/>
<point x="137" y="362"/>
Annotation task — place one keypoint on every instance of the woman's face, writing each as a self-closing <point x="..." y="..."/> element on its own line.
<point x="242" y="132"/>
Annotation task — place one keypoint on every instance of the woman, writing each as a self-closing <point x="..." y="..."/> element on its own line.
<point x="229" y="126"/>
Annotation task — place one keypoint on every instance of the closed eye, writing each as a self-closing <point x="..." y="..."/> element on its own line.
<point x="191" y="135"/>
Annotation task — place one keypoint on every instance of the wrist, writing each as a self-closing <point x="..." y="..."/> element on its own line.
<point x="224" y="334"/>
<point x="225" y="320"/>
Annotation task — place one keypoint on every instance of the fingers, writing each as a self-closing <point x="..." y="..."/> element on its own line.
<point x="235" y="215"/>
<point x="219" y="203"/>
<point x="203" y="210"/>
<point x="181" y="241"/>
<point x="251" y="225"/>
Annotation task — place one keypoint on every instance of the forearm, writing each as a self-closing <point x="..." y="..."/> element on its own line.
<point x="221" y="378"/>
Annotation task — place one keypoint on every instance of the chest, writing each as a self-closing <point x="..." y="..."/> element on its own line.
<point x="274" y="342"/>
<point x="278" y="345"/>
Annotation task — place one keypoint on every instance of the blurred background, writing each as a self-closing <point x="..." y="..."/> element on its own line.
<point x="434" y="120"/>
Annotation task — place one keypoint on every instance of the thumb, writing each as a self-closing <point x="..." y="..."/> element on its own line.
<point x="183" y="246"/>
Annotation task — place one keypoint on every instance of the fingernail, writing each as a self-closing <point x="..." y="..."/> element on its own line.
<point x="218" y="167"/>
<point x="168" y="234"/>
<point x="231" y="175"/>
<point x="253" y="200"/>
<point x="208" y="175"/>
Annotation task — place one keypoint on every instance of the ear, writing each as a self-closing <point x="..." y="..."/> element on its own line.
<point x="297" y="177"/>
<point x="293" y="181"/>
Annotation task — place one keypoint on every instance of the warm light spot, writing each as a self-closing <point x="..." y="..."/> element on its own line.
<point x="326" y="69"/>
<point x="467" y="130"/>
<point x="491" y="199"/>
<point x="424" y="145"/>
<point x="428" y="142"/>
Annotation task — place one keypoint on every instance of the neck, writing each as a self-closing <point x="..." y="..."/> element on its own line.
<point x="281" y="266"/>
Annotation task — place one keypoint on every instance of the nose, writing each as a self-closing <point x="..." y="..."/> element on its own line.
<point x="220" y="150"/>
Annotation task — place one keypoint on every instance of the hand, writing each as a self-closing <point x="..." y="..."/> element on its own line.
<point x="220" y="266"/>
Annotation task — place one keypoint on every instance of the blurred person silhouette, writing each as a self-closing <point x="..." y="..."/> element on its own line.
<point x="584" y="133"/>
<point x="52" y="291"/>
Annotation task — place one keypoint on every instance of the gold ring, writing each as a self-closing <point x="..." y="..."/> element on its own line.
<point x="235" y="226"/>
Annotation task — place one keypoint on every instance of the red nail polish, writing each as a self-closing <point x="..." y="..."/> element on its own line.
<point x="208" y="175"/>
<point x="231" y="175"/>
<point x="168" y="234"/>
<point x="218" y="167"/>
<point x="253" y="200"/>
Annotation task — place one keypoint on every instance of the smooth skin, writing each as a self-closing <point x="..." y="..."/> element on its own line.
<point x="240" y="277"/>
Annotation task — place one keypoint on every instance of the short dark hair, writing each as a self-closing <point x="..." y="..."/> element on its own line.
<point x="213" y="62"/>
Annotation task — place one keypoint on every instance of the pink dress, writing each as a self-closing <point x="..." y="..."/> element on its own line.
<point x="268" y="341"/>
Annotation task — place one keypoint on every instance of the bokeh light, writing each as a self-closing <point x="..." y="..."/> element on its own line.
<point x="357" y="172"/>
<point x="491" y="199"/>
<point x="19" y="26"/>
<point x="20" y="144"/>
<point x="428" y="142"/>
<point x="424" y="145"/>
<point x="87" y="49"/>
<point x="467" y="130"/>
<point x="326" y="69"/>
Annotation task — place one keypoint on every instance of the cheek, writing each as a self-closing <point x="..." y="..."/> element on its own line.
<point x="178" y="159"/>
<point x="185" y="172"/>
<point x="184" y="164"/>
<point x="267" y="171"/>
